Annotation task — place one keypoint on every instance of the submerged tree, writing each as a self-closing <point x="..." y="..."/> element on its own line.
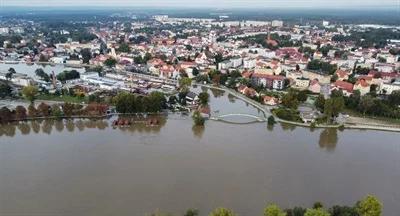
<point x="369" y="206"/>
<point x="273" y="210"/>
<point x="30" y="93"/>
<point x="222" y="212"/>
<point x="198" y="119"/>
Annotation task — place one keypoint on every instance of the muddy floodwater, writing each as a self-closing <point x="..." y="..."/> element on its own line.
<point x="83" y="167"/>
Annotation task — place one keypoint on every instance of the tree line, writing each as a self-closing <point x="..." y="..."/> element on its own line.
<point x="369" y="206"/>
<point x="132" y="103"/>
<point x="43" y="110"/>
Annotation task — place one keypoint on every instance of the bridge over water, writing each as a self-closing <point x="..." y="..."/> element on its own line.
<point x="225" y="117"/>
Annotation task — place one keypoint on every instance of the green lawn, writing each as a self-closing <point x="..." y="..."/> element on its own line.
<point x="358" y="114"/>
<point x="63" y="98"/>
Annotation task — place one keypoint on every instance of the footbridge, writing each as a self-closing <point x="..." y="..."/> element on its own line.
<point x="225" y="117"/>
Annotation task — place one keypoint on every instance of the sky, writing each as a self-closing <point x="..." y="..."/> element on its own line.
<point x="206" y="3"/>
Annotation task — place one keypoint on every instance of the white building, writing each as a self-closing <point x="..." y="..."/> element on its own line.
<point x="389" y="88"/>
<point x="249" y="63"/>
<point x="236" y="62"/>
<point x="277" y="23"/>
<point x="224" y="65"/>
<point x="58" y="60"/>
<point x="18" y="30"/>
<point x="4" y="31"/>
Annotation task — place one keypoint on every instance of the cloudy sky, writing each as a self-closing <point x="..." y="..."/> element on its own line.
<point x="206" y="3"/>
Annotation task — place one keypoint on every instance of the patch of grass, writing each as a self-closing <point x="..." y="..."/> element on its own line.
<point x="62" y="98"/>
<point x="385" y="119"/>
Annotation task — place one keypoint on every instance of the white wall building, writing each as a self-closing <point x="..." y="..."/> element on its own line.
<point x="277" y="23"/>
<point x="249" y="63"/>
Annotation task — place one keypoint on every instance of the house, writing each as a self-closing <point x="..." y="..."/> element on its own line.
<point x="346" y="87"/>
<point x="311" y="75"/>
<point x="301" y="83"/>
<point x="363" y="86"/>
<point x="250" y="92"/>
<point x="384" y="67"/>
<point x="268" y="81"/>
<point x="342" y="74"/>
<point x="168" y="71"/>
<point x="270" y="101"/>
<point x="315" y="86"/>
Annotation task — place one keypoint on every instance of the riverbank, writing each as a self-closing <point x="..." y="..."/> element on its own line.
<point x="267" y="111"/>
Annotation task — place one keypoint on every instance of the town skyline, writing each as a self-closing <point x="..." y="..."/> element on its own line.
<point x="307" y="4"/>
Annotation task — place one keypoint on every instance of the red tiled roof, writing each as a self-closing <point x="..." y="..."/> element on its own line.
<point x="362" y="82"/>
<point x="344" y="85"/>
<point x="267" y="76"/>
<point x="341" y="73"/>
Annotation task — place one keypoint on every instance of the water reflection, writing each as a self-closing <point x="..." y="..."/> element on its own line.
<point x="288" y="127"/>
<point x="270" y="127"/>
<point x="328" y="139"/>
<point x="198" y="131"/>
<point x="50" y="126"/>
<point x="141" y="124"/>
<point x="217" y="93"/>
<point x="231" y="98"/>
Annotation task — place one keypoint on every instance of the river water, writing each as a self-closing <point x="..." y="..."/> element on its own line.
<point x="83" y="167"/>
<point x="30" y="69"/>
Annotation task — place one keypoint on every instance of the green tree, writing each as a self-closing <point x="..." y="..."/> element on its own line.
<point x="185" y="83"/>
<point x="222" y="212"/>
<point x="68" y="75"/>
<point x="147" y="57"/>
<point x="20" y="113"/>
<point x="369" y="206"/>
<point x="302" y="96"/>
<point x="44" y="76"/>
<point x="317" y="205"/>
<point x="30" y="93"/>
<point x="333" y="107"/>
<point x="195" y="71"/>
<point x="68" y="109"/>
<point x="5" y="115"/>
<point x="204" y="98"/>
<point x="56" y="111"/>
<point x="273" y="210"/>
<point x="289" y="100"/>
<point x="343" y="211"/>
<point x="191" y="212"/>
<point x="316" y="212"/>
<point x="5" y="89"/>
<point x="271" y="120"/>
<point x="110" y="62"/>
<point x="44" y="109"/>
<point x="124" y="48"/>
<point x="86" y="55"/>
<point x="12" y="70"/>
<point x="198" y="119"/>
<point x="32" y="112"/>
<point x="366" y="104"/>
<point x="10" y="73"/>
<point x="394" y="98"/>
<point x="320" y="103"/>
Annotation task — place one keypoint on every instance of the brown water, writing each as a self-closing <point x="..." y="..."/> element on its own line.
<point x="86" y="167"/>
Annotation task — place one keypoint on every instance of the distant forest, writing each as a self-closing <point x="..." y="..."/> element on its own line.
<point x="337" y="16"/>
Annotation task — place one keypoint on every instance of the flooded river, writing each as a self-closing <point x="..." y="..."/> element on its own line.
<point x="30" y="69"/>
<point x="83" y="167"/>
